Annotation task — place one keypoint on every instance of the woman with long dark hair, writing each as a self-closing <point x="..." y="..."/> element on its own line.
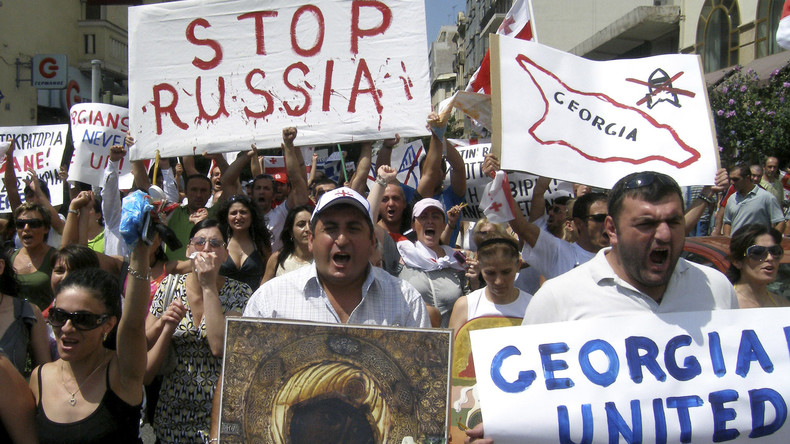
<point x="93" y="393"/>
<point x="755" y="252"/>
<point x="295" y="252"/>
<point x="249" y="245"/>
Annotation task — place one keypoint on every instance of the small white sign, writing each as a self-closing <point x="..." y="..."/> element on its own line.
<point x="50" y="71"/>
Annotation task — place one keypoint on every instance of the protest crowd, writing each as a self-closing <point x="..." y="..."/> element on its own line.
<point x="113" y="304"/>
<point x="360" y="252"/>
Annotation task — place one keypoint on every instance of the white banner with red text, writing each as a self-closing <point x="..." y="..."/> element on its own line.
<point x="219" y="75"/>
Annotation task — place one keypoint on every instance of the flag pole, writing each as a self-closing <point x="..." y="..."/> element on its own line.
<point x="342" y="163"/>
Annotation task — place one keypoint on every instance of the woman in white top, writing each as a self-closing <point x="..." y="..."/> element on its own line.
<point x="295" y="252"/>
<point x="498" y="262"/>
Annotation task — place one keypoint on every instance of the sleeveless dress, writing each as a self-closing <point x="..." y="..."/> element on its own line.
<point x="478" y="305"/>
<point x="290" y="264"/>
<point x="35" y="287"/>
<point x="16" y="338"/>
<point x="250" y="273"/>
<point x="113" y="421"/>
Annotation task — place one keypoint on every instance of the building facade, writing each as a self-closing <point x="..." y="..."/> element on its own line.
<point x="724" y="33"/>
<point x="83" y="31"/>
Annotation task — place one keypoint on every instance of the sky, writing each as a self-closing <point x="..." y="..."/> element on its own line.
<point x="439" y="13"/>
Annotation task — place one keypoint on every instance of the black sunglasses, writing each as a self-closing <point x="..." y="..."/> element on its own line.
<point x="760" y="253"/>
<point x="201" y="241"/>
<point x="646" y="178"/>
<point x="33" y="223"/>
<point x="80" y="320"/>
<point x="597" y="217"/>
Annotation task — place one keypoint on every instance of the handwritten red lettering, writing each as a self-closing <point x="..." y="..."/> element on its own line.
<point x="362" y="70"/>
<point x="221" y="111"/>
<point x="330" y="67"/>
<point x="357" y="32"/>
<point x="269" y="100"/>
<point x="319" y="38"/>
<point x="260" y="48"/>
<point x="160" y="110"/>
<point x="213" y="44"/>
<point x="296" y="111"/>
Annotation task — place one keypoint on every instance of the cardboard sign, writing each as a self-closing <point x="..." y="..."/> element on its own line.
<point x="698" y="377"/>
<point x="95" y="128"/>
<point x="218" y="74"/>
<point x="40" y="148"/>
<point x="562" y="116"/>
<point x="285" y="381"/>
<point x="521" y="184"/>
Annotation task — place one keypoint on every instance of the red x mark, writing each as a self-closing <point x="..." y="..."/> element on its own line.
<point x="661" y="88"/>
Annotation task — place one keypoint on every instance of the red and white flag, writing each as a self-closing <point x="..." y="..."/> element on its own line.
<point x="519" y="24"/>
<point x="783" y="31"/>
<point x="495" y="202"/>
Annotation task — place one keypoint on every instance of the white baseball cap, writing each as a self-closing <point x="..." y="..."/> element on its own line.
<point x="424" y="204"/>
<point x="338" y="196"/>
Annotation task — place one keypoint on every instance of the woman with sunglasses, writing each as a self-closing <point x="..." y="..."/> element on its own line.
<point x="755" y="252"/>
<point x="295" y="252"/>
<point x="94" y="392"/>
<point x="249" y="246"/>
<point x="32" y="261"/>
<point x="189" y="332"/>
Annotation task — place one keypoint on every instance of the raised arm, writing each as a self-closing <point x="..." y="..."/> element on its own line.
<point x="706" y="199"/>
<point x="360" y="177"/>
<point x="457" y="171"/>
<point x="431" y="175"/>
<point x="384" y="157"/>
<point x="71" y="230"/>
<point x="131" y="347"/>
<point x="538" y="207"/>
<point x="294" y="164"/>
<point x="230" y="177"/>
<point x="526" y="230"/>
<point x="386" y="175"/>
<point x="31" y="179"/>
<point x="9" y="178"/>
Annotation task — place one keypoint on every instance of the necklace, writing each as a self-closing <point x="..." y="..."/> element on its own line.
<point x="73" y="399"/>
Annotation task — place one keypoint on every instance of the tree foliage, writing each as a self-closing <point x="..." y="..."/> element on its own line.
<point x="752" y="117"/>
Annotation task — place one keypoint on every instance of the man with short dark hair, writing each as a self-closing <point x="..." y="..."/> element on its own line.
<point x="341" y="286"/>
<point x="750" y="204"/>
<point x="183" y="218"/>
<point x="642" y="271"/>
<point x="319" y="186"/>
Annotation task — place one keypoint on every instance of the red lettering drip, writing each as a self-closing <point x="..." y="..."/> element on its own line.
<point x="221" y="111"/>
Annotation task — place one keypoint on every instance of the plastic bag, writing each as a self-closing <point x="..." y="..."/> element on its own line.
<point x="135" y="206"/>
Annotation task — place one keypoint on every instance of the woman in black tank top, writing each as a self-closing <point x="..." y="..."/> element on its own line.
<point x="93" y="393"/>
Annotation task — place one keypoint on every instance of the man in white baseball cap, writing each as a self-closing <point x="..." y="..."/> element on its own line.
<point x="340" y="286"/>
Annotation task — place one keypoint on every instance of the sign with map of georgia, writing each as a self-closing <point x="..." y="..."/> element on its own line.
<point x="603" y="119"/>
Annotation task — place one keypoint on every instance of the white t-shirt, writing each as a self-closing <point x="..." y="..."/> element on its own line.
<point x="552" y="256"/>
<point x="275" y="220"/>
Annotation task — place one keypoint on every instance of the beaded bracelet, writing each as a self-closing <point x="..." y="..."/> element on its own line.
<point x="137" y="275"/>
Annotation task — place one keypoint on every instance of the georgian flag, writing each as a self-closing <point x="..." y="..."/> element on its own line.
<point x="495" y="202"/>
<point x="273" y="165"/>
<point x="517" y="24"/>
<point x="783" y="31"/>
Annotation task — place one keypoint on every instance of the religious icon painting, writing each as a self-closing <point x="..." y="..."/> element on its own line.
<point x="289" y="382"/>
